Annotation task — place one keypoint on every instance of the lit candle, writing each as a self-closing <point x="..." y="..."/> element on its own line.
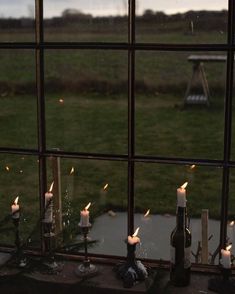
<point x="230" y="231"/>
<point x="226" y="257"/>
<point x="48" y="216"/>
<point x="181" y="195"/>
<point x="15" y="209"/>
<point x="84" y="216"/>
<point x="134" y="239"/>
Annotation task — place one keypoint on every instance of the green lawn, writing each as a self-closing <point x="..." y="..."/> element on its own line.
<point x="93" y="117"/>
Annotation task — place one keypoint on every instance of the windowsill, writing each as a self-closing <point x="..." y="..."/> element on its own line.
<point x="104" y="282"/>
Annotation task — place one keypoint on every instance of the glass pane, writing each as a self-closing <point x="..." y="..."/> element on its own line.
<point x="155" y="190"/>
<point x="231" y="214"/>
<point x="180" y="104"/>
<point x="17" y="21"/>
<point x="175" y="21"/>
<point x="86" y="96"/>
<point x="18" y="127"/>
<point x="19" y="177"/>
<point x="102" y="183"/>
<point x="233" y="125"/>
<point x="86" y="21"/>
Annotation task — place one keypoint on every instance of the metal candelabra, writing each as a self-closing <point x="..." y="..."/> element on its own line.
<point x="86" y="269"/>
<point x="20" y="258"/>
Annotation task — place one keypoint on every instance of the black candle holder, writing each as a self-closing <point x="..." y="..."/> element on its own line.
<point x="20" y="259"/>
<point x="86" y="269"/>
<point x="132" y="270"/>
<point x="49" y="241"/>
<point x="223" y="284"/>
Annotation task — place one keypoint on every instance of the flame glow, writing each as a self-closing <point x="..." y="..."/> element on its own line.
<point x="105" y="186"/>
<point x="51" y="187"/>
<point x="136" y="232"/>
<point x="232" y="223"/>
<point x="147" y="213"/>
<point x="7" y="168"/>
<point x="192" y="166"/>
<point x="72" y="170"/>
<point x="16" y="200"/>
<point x="88" y="205"/>
<point x="61" y="100"/>
<point x="184" y="185"/>
<point x="229" y="247"/>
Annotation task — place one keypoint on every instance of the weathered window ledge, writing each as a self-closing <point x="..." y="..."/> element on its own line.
<point x="104" y="282"/>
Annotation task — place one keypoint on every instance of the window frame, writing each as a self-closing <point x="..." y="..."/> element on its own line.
<point x="131" y="47"/>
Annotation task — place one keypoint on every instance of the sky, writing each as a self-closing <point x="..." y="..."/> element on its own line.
<point x="24" y="8"/>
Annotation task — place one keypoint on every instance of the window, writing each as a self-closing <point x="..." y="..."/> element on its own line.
<point x="104" y="101"/>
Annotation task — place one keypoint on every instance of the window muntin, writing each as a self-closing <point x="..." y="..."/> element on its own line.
<point x="132" y="159"/>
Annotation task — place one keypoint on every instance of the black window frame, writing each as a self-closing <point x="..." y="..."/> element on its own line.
<point x="131" y="47"/>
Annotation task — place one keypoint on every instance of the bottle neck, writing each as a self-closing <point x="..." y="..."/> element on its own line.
<point x="181" y="217"/>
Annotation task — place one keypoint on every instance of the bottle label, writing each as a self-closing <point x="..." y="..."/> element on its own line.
<point x="187" y="257"/>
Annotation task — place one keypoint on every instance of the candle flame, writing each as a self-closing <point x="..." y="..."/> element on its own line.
<point x="72" y="170"/>
<point x="61" y="100"/>
<point x="7" y="168"/>
<point x="51" y="187"/>
<point x="232" y="223"/>
<point x="88" y="205"/>
<point x="147" y="213"/>
<point x="192" y="166"/>
<point x="136" y="232"/>
<point x="184" y="185"/>
<point x="105" y="186"/>
<point x="16" y="200"/>
<point x="229" y="247"/>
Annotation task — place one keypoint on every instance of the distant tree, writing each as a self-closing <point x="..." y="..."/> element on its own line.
<point x="71" y="12"/>
<point x="148" y="12"/>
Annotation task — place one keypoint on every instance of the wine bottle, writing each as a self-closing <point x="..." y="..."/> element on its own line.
<point x="180" y="244"/>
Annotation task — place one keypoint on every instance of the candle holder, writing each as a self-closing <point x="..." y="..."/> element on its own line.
<point x="132" y="270"/>
<point x="86" y="269"/>
<point x="223" y="284"/>
<point x="49" y="241"/>
<point x="20" y="259"/>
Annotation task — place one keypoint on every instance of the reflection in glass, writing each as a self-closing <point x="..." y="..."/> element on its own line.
<point x="182" y="21"/>
<point x="19" y="177"/>
<point x="155" y="190"/>
<point x="86" y="101"/>
<point x="18" y="118"/>
<point x="176" y="128"/>
<point x="17" y="21"/>
<point x="104" y="185"/>
<point x="86" y="21"/>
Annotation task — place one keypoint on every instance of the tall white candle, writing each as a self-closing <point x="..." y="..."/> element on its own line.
<point x="134" y="239"/>
<point x="181" y="195"/>
<point x="226" y="257"/>
<point x="84" y="216"/>
<point x="15" y="209"/>
<point x="48" y="216"/>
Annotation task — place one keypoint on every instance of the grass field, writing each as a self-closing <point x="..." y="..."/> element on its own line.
<point x="93" y="118"/>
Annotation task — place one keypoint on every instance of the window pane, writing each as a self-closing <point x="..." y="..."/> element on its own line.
<point x="86" y="21"/>
<point x="86" y="96"/>
<point x="182" y="21"/>
<point x="155" y="189"/>
<point x="17" y="21"/>
<point x="19" y="177"/>
<point x="175" y="110"/>
<point x="102" y="183"/>
<point x="18" y="118"/>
